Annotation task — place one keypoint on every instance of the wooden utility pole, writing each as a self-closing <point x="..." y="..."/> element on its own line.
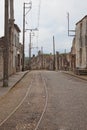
<point x="23" y="36"/>
<point x="11" y="21"/>
<point x="30" y="52"/>
<point x="42" y="56"/>
<point x="11" y="33"/>
<point x="6" y="47"/>
<point x="12" y="10"/>
<point x="53" y="53"/>
<point x="30" y="45"/>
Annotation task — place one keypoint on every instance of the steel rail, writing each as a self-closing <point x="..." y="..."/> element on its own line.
<point x="28" y="91"/>
<point x="46" y="102"/>
<point x="29" y="88"/>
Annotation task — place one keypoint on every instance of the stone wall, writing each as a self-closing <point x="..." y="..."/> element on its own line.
<point x="81" y="43"/>
<point x="1" y="63"/>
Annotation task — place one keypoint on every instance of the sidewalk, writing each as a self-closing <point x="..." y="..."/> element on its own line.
<point x="13" y="80"/>
<point x="84" y="77"/>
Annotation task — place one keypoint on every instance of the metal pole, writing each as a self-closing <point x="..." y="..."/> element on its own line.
<point x="30" y="52"/>
<point x="23" y="36"/>
<point x="69" y="27"/>
<point x="68" y="22"/>
<point x="6" y="47"/>
<point x="30" y="46"/>
<point x="42" y="56"/>
<point x="24" y="14"/>
<point x="53" y="53"/>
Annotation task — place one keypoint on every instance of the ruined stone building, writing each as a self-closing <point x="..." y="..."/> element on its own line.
<point x="81" y="43"/>
<point x="62" y="61"/>
<point x="15" y="47"/>
<point x="15" y="53"/>
<point x="75" y="60"/>
<point x="42" y="61"/>
<point x="73" y="56"/>
<point x="46" y="61"/>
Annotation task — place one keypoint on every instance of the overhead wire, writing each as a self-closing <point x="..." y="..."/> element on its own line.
<point x="37" y="20"/>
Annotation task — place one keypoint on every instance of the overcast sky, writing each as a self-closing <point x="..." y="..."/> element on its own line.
<point x="53" y="21"/>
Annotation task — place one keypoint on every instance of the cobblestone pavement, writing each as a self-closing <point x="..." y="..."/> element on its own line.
<point x="28" y="113"/>
<point x="13" y="80"/>
<point x="66" y="105"/>
<point x="12" y="99"/>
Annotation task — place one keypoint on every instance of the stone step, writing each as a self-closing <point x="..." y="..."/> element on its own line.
<point x="81" y="71"/>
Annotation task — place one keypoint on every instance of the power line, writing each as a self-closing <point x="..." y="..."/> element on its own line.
<point x="37" y="20"/>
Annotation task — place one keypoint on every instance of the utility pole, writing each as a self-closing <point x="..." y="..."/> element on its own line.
<point x="6" y="47"/>
<point x="28" y="7"/>
<point x="11" y="32"/>
<point x="23" y="36"/>
<point x="35" y="29"/>
<point x="53" y="53"/>
<point x="30" y="52"/>
<point x="11" y="22"/>
<point x="42" y="56"/>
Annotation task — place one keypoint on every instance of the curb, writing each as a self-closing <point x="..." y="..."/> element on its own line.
<point x="19" y="80"/>
<point x="10" y="88"/>
<point x="75" y="76"/>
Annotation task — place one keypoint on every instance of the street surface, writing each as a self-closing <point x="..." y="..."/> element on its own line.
<point x="45" y="100"/>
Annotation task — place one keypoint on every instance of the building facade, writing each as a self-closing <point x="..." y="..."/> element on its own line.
<point x="15" y="52"/>
<point x="42" y="61"/>
<point x="81" y="43"/>
<point x="73" y="56"/>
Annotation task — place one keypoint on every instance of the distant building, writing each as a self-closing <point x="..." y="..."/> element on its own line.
<point x="46" y="61"/>
<point x="64" y="61"/>
<point x="42" y="61"/>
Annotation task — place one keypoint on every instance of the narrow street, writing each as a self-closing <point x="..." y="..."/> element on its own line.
<point x="45" y="100"/>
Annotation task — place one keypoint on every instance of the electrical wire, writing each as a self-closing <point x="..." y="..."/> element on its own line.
<point x="37" y="21"/>
<point x="30" y="3"/>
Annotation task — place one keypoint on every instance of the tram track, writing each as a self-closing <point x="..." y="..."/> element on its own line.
<point x="58" y="109"/>
<point x="17" y="105"/>
<point x="28" y="95"/>
<point x="45" y="86"/>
